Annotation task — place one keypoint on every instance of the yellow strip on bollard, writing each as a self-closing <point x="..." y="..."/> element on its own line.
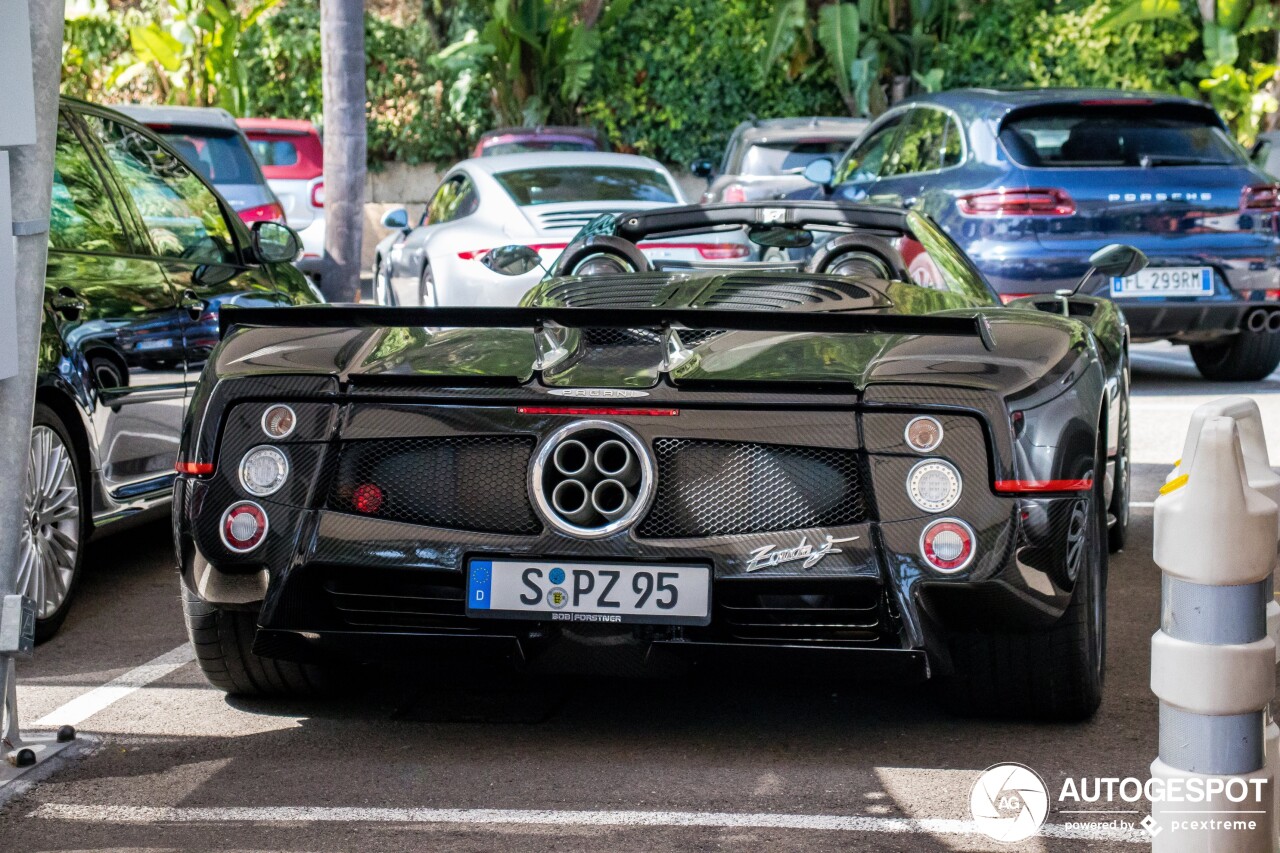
<point x="1174" y="484"/>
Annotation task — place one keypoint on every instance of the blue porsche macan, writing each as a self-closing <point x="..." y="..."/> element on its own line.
<point x="1031" y="182"/>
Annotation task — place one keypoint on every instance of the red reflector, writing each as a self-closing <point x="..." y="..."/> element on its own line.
<point x="1261" y="197"/>
<point x="263" y="213"/>
<point x="194" y="468"/>
<point x="1019" y="487"/>
<point x="1036" y="202"/>
<point x="367" y="498"/>
<point x="947" y="545"/>
<point x="1006" y="298"/>
<point x="734" y="194"/>
<point x="317" y="195"/>
<point x="1272" y="296"/>
<point x="244" y="526"/>
<point x="575" y="410"/>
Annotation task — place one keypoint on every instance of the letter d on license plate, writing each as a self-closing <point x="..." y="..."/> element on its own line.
<point x="658" y="594"/>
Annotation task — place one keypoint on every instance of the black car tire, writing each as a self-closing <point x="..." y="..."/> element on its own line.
<point x="1118" y="532"/>
<point x="48" y="626"/>
<point x="223" y="643"/>
<point x="1055" y="674"/>
<point x="1245" y="357"/>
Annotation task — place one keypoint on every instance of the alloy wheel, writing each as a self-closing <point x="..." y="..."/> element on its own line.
<point x="51" y="529"/>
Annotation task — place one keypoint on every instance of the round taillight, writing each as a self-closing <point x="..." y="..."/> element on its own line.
<point x="278" y="421"/>
<point x="923" y="434"/>
<point x="263" y="470"/>
<point x="367" y="498"/>
<point x="934" y="485"/>
<point x="947" y="545"/>
<point x="244" y="526"/>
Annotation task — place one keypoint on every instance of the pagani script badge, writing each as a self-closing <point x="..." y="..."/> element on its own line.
<point x="602" y="393"/>
<point x="769" y="555"/>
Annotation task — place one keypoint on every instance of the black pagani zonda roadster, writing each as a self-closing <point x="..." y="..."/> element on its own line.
<point x="846" y="449"/>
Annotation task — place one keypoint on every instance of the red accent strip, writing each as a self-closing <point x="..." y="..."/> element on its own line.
<point x="194" y="468"/>
<point x="1017" y="487"/>
<point x="477" y="254"/>
<point x="574" y="410"/>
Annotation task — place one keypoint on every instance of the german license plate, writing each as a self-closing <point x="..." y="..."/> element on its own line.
<point x="1165" y="281"/>
<point x="659" y="594"/>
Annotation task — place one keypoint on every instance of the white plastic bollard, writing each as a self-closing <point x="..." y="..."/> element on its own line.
<point x="1212" y="661"/>
<point x="1257" y="462"/>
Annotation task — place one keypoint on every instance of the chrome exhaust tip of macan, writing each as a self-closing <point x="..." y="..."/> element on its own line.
<point x="1273" y="321"/>
<point x="1257" y="321"/>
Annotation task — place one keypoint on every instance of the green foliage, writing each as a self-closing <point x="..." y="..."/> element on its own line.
<point x="424" y="106"/>
<point x="1018" y="43"/>
<point x="675" y="76"/>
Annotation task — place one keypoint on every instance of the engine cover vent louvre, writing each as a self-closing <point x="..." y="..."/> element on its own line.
<point x="724" y="488"/>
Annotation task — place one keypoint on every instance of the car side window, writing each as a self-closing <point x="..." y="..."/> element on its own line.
<point x="181" y="214"/>
<point x="82" y="217"/>
<point x="866" y="161"/>
<point x="454" y="199"/>
<point x="923" y="143"/>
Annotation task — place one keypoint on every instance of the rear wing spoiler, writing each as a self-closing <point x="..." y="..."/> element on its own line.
<point x="539" y="318"/>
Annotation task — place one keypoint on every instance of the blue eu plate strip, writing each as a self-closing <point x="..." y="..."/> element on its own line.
<point x="478" y="591"/>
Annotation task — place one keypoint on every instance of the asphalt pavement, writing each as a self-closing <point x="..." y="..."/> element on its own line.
<point x="436" y="757"/>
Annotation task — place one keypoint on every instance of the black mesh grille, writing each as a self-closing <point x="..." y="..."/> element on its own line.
<point x="805" y="611"/>
<point x="461" y="483"/>
<point x="719" y="488"/>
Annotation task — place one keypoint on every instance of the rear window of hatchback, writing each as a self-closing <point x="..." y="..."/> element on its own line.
<point x="1130" y="134"/>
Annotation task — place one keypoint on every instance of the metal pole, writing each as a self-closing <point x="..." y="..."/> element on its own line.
<point x="31" y="179"/>
<point x="345" y="145"/>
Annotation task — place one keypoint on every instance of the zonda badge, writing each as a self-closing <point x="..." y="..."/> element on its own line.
<point x="768" y="556"/>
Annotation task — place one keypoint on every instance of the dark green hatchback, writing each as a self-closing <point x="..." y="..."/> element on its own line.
<point x="143" y="253"/>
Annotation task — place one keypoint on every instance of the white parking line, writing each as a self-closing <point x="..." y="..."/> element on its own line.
<point x="724" y="820"/>
<point x="85" y="706"/>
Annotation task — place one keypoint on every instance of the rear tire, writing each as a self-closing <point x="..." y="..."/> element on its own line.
<point x="1245" y="357"/>
<point x="1055" y="674"/>
<point x="223" y="643"/>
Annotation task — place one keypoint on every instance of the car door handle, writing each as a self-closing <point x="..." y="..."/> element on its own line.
<point x="193" y="304"/>
<point x="68" y="303"/>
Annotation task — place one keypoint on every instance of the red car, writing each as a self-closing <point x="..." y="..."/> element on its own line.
<point x="292" y="159"/>
<point x="514" y="140"/>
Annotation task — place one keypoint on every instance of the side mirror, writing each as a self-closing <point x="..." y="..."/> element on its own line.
<point x="1118" y="260"/>
<point x="275" y="243"/>
<point x="703" y="169"/>
<point x="821" y="172"/>
<point x="396" y="219"/>
<point x="512" y="260"/>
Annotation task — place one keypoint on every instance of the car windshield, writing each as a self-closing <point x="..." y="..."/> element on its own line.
<point x="221" y="157"/>
<point x="770" y="159"/>
<point x="521" y="146"/>
<point x="1085" y="136"/>
<point x="274" y="152"/>
<point x="565" y="184"/>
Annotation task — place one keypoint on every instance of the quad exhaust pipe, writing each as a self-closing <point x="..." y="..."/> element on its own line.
<point x="615" y="461"/>
<point x="571" y="499"/>
<point x="611" y="499"/>
<point x="1262" y="320"/>
<point x="572" y="458"/>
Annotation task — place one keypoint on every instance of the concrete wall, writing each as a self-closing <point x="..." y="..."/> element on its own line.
<point x="411" y="187"/>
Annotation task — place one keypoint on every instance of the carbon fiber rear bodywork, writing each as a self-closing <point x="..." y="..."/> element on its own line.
<point x="778" y="460"/>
